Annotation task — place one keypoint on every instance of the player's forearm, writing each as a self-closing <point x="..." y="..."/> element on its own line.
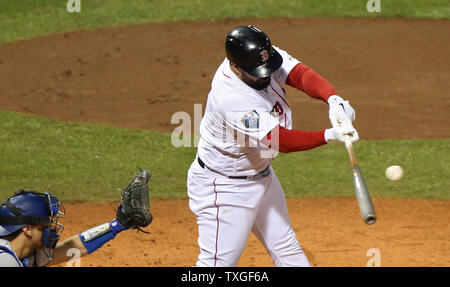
<point x="87" y="241"/>
<point x="62" y="255"/>
<point x="307" y="80"/>
<point x="295" y="140"/>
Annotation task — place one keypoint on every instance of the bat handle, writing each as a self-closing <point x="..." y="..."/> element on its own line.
<point x="351" y="153"/>
<point x="348" y="142"/>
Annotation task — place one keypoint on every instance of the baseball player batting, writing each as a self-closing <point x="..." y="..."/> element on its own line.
<point x="232" y="188"/>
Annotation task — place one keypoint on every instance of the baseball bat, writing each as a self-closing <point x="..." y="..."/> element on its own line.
<point x="361" y="190"/>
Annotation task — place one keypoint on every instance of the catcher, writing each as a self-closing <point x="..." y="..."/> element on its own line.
<point x="30" y="226"/>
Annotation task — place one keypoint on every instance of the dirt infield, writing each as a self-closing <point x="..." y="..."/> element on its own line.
<point x="330" y="230"/>
<point x="394" y="72"/>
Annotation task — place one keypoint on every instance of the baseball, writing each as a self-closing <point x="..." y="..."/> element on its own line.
<point x="394" y="173"/>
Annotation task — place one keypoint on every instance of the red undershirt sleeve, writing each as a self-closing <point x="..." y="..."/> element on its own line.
<point x="298" y="140"/>
<point x="307" y="80"/>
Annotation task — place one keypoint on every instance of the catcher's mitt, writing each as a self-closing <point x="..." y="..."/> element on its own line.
<point x="134" y="209"/>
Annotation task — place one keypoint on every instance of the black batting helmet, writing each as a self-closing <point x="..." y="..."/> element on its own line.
<point x="250" y="49"/>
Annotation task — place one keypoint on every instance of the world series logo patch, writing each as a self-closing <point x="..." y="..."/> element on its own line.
<point x="251" y="120"/>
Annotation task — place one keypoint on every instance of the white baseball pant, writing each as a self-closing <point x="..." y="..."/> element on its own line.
<point x="228" y="210"/>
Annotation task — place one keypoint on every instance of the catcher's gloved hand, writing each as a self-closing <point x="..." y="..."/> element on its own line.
<point x="134" y="209"/>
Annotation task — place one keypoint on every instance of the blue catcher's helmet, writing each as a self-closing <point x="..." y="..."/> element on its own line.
<point x="31" y="208"/>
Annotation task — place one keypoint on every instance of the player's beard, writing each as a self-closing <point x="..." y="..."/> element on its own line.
<point x="259" y="84"/>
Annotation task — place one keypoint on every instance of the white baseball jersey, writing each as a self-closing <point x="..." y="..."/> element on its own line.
<point x="234" y="106"/>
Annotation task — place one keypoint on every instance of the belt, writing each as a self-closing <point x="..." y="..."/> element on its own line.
<point x="260" y="175"/>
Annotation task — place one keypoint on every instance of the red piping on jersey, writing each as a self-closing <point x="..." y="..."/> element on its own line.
<point x="217" y="220"/>
<point x="225" y="74"/>
<point x="279" y="95"/>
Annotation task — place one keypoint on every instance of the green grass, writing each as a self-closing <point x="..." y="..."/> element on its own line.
<point x="85" y="162"/>
<point x="79" y="162"/>
<point x="29" y="18"/>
